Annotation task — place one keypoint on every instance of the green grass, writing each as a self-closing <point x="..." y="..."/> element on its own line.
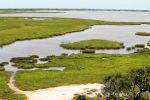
<point x="5" y="92"/>
<point x="80" y="68"/>
<point x="93" y="44"/>
<point x="143" y="33"/>
<point x="148" y="43"/>
<point x="14" y="29"/>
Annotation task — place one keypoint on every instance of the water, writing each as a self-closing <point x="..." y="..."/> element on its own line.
<point x="50" y="46"/>
<point x="99" y="15"/>
<point x="10" y="68"/>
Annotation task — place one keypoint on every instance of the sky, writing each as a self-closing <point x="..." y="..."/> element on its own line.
<point x="84" y="4"/>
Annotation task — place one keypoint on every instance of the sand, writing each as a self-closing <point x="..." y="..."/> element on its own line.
<point x="61" y="92"/>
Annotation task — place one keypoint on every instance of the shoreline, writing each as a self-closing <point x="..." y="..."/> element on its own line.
<point x="60" y="92"/>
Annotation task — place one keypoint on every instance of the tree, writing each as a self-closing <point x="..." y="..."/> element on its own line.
<point x="113" y="86"/>
<point x="132" y="85"/>
<point x="140" y="82"/>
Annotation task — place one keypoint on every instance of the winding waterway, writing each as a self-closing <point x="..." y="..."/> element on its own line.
<point x="51" y="46"/>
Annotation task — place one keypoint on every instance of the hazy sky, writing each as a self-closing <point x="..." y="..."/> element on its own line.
<point x="98" y="4"/>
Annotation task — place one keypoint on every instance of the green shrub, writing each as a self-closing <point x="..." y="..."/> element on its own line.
<point x="88" y="51"/>
<point x="129" y="48"/>
<point x="139" y="46"/>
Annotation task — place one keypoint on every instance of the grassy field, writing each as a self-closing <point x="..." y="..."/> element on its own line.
<point x="143" y="33"/>
<point x="80" y="68"/>
<point x="5" y="92"/>
<point x="16" y="29"/>
<point x="93" y="44"/>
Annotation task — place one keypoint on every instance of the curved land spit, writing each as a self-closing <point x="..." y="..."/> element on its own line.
<point x="59" y="93"/>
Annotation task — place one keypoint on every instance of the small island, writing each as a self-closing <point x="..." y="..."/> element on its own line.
<point x="143" y="33"/>
<point x="93" y="44"/>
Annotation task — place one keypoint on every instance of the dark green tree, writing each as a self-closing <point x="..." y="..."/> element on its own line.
<point x="139" y="80"/>
<point x="130" y="86"/>
<point x="113" y="86"/>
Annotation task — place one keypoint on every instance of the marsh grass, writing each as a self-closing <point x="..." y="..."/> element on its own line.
<point x="130" y="48"/>
<point x="142" y="51"/>
<point x="5" y="92"/>
<point x="143" y="33"/>
<point x="30" y="59"/>
<point x="16" y="29"/>
<point x="93" y="44"/>
<point x="80" y="69"/>
<point x="88" y="51"/>
<point x="2" y="65"/>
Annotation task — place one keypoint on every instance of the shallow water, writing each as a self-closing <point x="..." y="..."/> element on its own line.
<point x="10" y="68"/>
<point x="50" y="46"/>
<point x="99" y="15"/>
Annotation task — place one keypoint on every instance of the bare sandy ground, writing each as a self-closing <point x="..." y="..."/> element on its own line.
<point x="63" y="92"/>
<point x="60" y="93"/>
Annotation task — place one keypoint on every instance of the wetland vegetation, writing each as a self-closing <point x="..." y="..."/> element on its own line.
<point x="93" y="44"/>
<point x="139" y="46"/>
<point x="143" y="33"/>
<point x="16" y="29"/>
<point x="2" y="64"/>
<point x="5" y="92"/>
<point x="80" y="69"/>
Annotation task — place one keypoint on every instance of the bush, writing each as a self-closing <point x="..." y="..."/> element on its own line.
<point x="145" y="50"/>
<point x="64" y="54"/>
<point x="129" y="48"/>
<point x="2" y="64"/>
<point x="30" y="59"/>
<point x="139" y="46"/>
<point x="88" y="51"/>
<point x="81" y="97"/>
<point x="34" y="56"/>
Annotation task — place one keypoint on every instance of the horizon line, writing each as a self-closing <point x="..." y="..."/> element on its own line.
<point x="74" y="9"/>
